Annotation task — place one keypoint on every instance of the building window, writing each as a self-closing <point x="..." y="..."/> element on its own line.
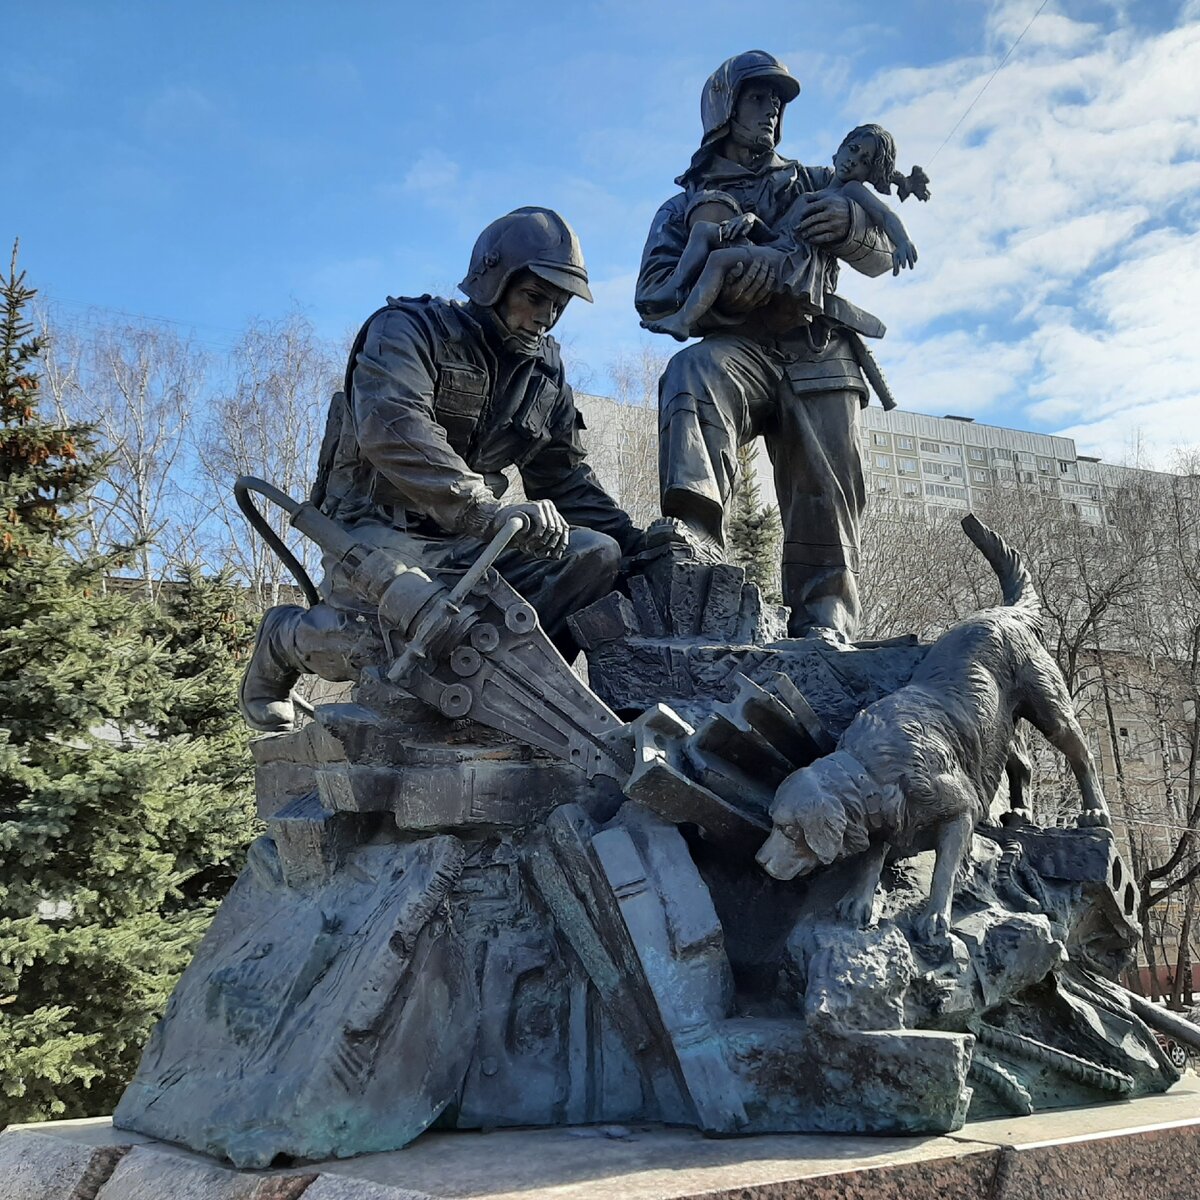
<point x="980" y="476"/>
<point x="932" y="447"/>
<point x="951" y="493"/>
<point x="907" y="466"/>
<point x="884" y="461"/>
<point x="977" y="454"/>
<point x="880" y="439"/>
<point x="909" y="488"/>
<point x="882" y="485"/>
<point x="1063" y="467"/>
<point x="905" y="443"/>
<point x="1044" y="465"/>
<point x="957" y="472"/>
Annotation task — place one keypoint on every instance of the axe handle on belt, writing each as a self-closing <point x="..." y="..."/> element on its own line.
<point x="870" y="369"/>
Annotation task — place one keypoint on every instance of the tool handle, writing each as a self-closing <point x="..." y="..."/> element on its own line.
<point x="505" y="534"/>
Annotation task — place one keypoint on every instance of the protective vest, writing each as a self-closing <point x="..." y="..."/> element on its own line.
<point x="464" y="387"/>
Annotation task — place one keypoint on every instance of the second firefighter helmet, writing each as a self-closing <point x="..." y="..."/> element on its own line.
<point x="535" y="239"/>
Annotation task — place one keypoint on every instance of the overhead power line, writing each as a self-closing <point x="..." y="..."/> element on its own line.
<point x="139" y="316"/>
<point x="988" y="81"/>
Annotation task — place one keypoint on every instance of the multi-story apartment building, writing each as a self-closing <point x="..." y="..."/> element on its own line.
<point x="955" y="462"/>
<point x="943" y="463"/>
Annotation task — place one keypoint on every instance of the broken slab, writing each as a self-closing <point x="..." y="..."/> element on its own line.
<point x="270" y="1040"/>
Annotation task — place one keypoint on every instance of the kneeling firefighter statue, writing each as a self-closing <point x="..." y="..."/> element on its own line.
<point x="439" y="398"/>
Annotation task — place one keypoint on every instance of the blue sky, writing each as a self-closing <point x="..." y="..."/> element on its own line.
<point x="212" y="162"/>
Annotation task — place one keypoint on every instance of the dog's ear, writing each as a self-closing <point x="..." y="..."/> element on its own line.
<point x="856" y="838"/>
<point x="789" y="797"/>
<point x="824" y="826"/>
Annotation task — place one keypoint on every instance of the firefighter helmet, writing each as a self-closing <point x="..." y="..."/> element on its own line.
<point x="537" y="239"/>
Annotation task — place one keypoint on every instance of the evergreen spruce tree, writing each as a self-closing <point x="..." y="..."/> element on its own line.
<point x="117" y="831"/>
<point x="755" y="533"/>
<point x="205" y="629"/>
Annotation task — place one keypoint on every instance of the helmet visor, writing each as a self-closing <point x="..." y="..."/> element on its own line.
<point x="786" y="84"/>
<point x="573" y="281"/>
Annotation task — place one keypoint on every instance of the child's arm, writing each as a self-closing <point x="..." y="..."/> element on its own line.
<point x="746" y="227"/>
<point x="882" y="217"/>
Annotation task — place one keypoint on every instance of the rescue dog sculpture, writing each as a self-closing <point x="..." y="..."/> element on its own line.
<point x="918" y="768"/>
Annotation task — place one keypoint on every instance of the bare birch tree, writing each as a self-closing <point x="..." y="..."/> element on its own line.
<point x="138" y="386"/>
<point x="624" y="451"/>
<point x="268" y="421"/>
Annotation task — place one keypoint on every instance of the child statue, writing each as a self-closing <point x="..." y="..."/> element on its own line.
<point x="721" y="236"/>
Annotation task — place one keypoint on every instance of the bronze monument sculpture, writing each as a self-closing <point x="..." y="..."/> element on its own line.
<point x="723" y="241"/>
<point x="493" y="894"/>
<point x="439" y="398"/>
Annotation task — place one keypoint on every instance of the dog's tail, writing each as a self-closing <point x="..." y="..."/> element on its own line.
<point x="1015" y="581"/>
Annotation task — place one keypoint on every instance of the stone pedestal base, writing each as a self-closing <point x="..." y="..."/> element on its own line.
<point x="1146" y="1149"/>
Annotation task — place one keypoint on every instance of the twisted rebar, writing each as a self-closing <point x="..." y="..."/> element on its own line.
<point x="1071" y="1065"/>
<point x="1003" y="1082"/>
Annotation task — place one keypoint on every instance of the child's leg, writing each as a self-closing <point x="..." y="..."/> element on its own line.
<point x="703" y="237"/>
<point x="703" y="294"/>
<point x="708" y="287"/>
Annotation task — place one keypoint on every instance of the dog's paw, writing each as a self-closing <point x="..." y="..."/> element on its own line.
<point x="1093" y="818"/>
<point x="857" y="910"/>
<point x="931" y="925"/>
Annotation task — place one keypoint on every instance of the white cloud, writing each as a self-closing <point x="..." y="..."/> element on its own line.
<point x="1060" y="254"/>
<point x="180" y="110"/>
<point x="1008" y="19"/>
<point x="948" y="373"/>
<point x="431" y="175"/>
<point x="1140" y="353"/>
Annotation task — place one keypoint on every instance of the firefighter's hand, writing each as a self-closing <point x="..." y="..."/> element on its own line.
<point x="747" y="286"/>
<point x="826" y="221"/>
<point x="546" y="530"/>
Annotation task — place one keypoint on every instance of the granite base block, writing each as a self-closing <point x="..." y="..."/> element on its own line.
<point x="1147" y="1149"/>
<point x="35" y="1167"/>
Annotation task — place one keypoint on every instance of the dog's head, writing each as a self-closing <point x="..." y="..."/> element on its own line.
<point x="812" y="827"/>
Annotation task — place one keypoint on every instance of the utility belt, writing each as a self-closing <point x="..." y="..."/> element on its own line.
<point x="810" y="353"/>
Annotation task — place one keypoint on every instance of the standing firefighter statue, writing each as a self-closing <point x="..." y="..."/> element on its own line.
<point x="440" y="397"/>
<point x="762" y="366"/>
